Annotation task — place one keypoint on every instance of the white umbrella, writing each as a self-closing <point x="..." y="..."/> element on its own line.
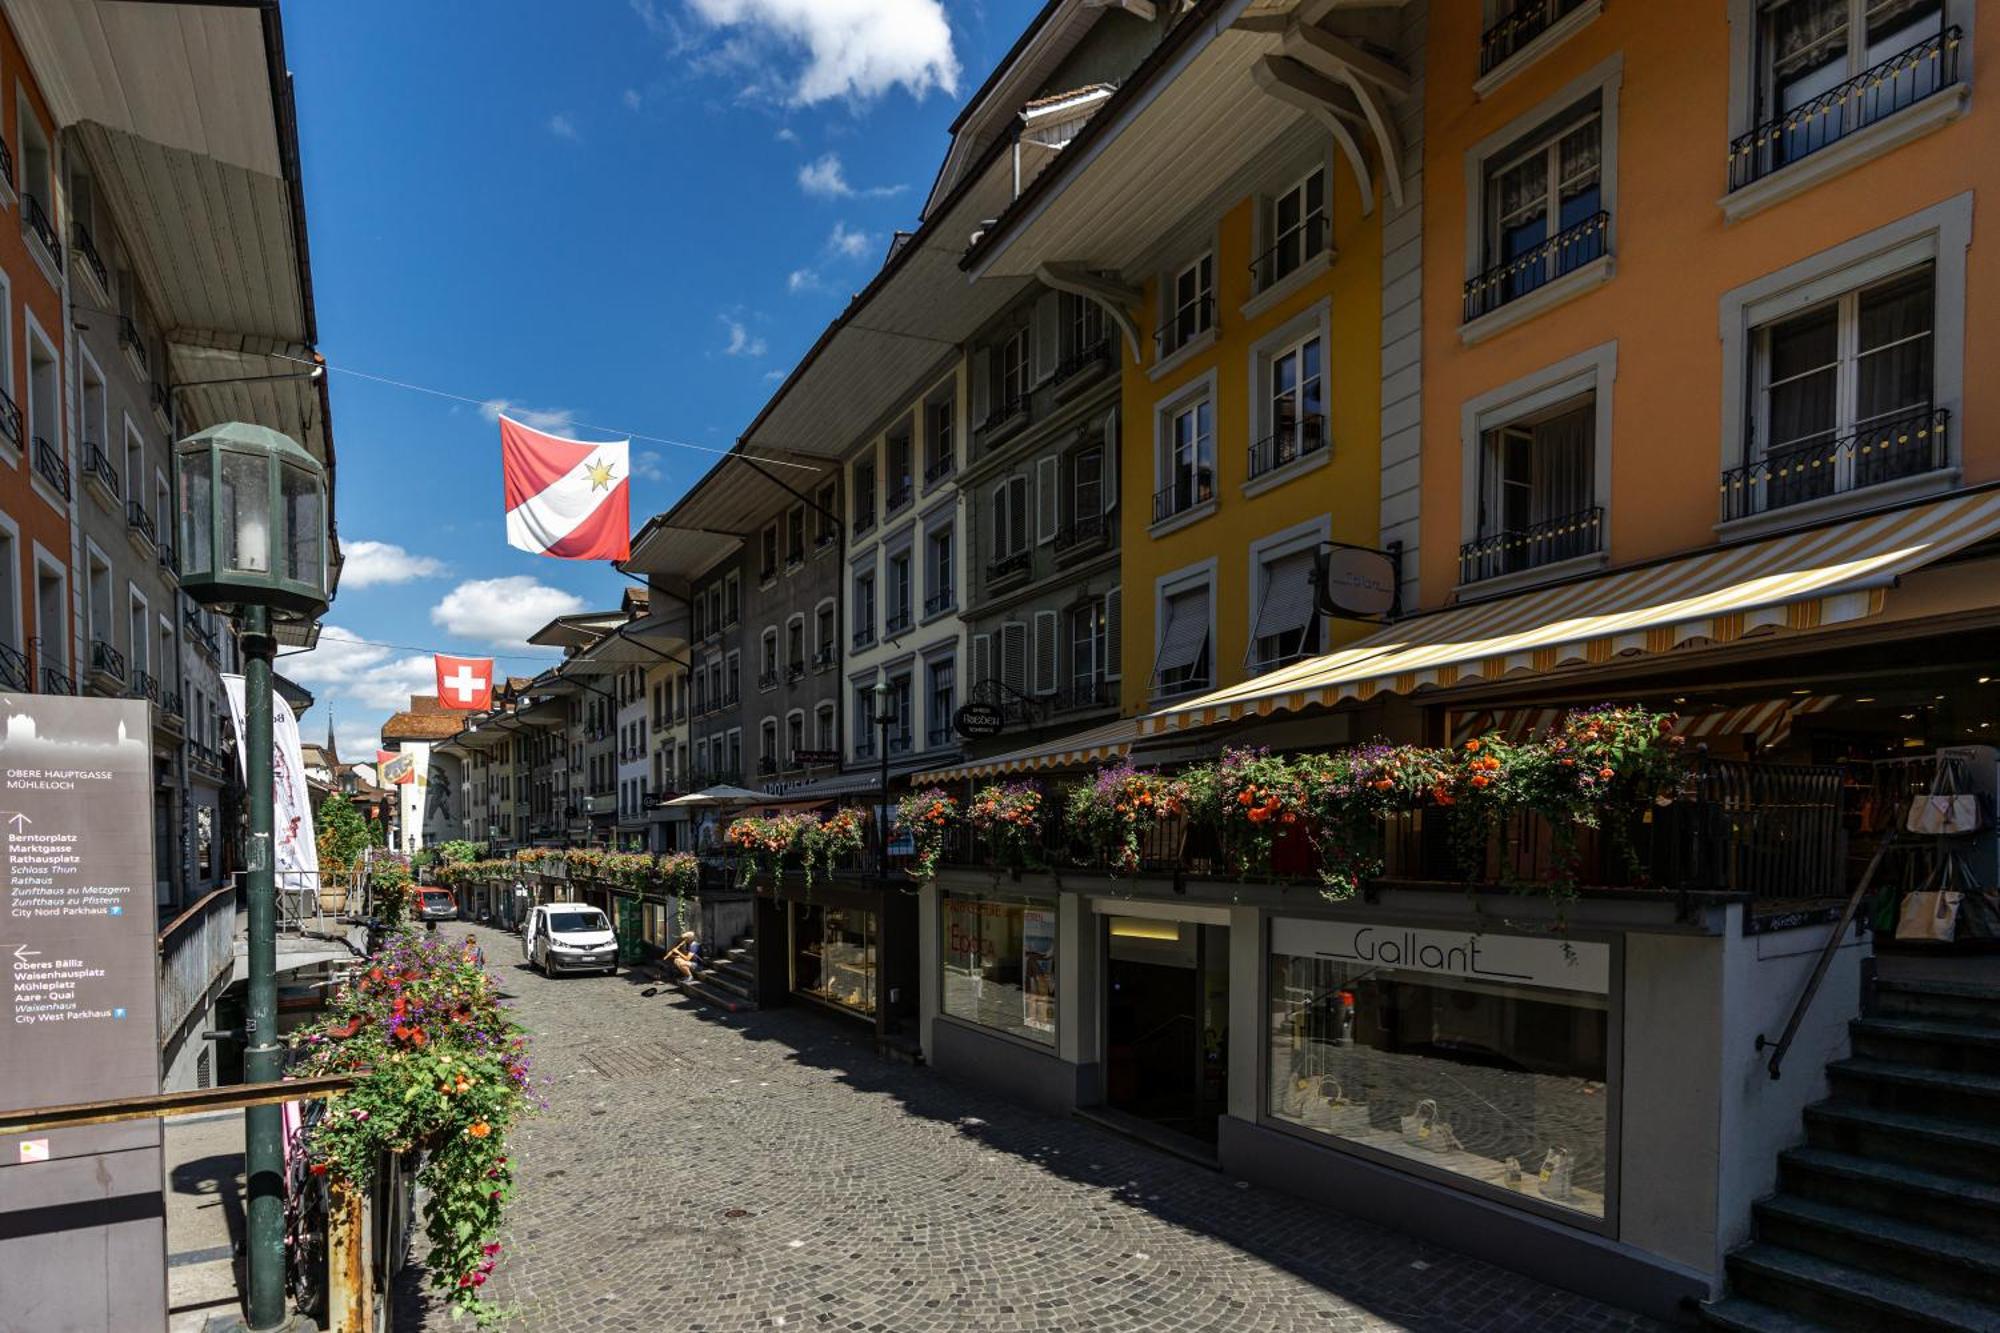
<point x="722" y="795"/>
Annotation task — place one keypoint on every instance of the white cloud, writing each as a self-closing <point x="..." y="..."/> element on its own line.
<point x="502" y="611"/>
<point x="801" y="280"/>
<point x="632" y="99"/>
<point x="851" y="244"/>
<point x="371" y="564"/>
<point x="556" y="420"/>
<point x="852" y="48"/>
<point x="826" y="178"/>
<point x="340" y="657"/>
<point x="742" y="342"/>
<point x="563" y="127"/>
<point x="773" y="376"/>
<point x="647" y="466"/>
<point x="785" y="135"/>
<point x="387" y="686"/>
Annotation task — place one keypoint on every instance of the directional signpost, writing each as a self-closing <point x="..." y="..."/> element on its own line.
<point x="82" y="1218"/>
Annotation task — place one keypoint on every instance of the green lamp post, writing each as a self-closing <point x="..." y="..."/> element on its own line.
<point x="253" y="540"/>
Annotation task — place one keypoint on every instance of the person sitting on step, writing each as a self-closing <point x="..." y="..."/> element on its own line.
<point x="682" y="956"/>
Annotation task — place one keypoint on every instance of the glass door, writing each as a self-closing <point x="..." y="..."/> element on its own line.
<point x="1167" y="1022"/>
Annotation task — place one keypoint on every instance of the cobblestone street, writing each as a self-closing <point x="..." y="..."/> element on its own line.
<point x="694" y="1171"/>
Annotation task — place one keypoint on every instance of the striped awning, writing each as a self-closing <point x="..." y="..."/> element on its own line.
<point x="1769" y="720"/>
<point x="1800" y="581"/>
<point x="1092" y="746"/>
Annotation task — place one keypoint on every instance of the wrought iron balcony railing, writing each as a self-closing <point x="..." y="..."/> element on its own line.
<point x="1092" y="692"/>
<point x="1888" y="450"/>
<point x="1514" y="550"/>
<point x="826" y="659"/>
<point x="96" y="467"/>
<point x="141" y="522"/>
<point x="1522" y="23"/>
<point x="162" y="403"/>
<point x="864" y="637"/>
<point x="767" y="680"/>
<point x="38" y="222"/>
<point x="10" y="418"/>
<point x="1184" y="326"/>
<point x="1564" y="252"/>
<point x="1093" y="356"/>
<point x="1292" y="249"/>
<point x="1084" y="532"/>
<point x="15" y="672"/>
<point x="170" y="564"/>
<point x="896" y="621"/>
<point x="795" y="671"/>
<point x="940" y="602"/>
<point x="106" y="660"/>
<point x="900" y="742"/>
<point x="899" y="495"/>
<point x="144" y="686"/>
<point x="52" y="465"/>
<point x="87" y="250"/>
<point x="1191" y="488"/>
<point x="134" y="342"/>
<point x="1011" y="565"/>
<point x="1903" y="80"/>
<point x="1004" y="409"/>
<point x="939" y="468"/>
<point x="1289" y="443"/>
<point x="864" y="518"/>
<point x="57" y="681"/>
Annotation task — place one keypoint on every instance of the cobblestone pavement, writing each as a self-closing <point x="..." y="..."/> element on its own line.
<point x="700" y="1172"/>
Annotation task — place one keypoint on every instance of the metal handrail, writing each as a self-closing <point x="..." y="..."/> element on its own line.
<point x="1514" y="549"/>
<point x="1832" y="945"/>
<point x="38" y="222"/>
<point x="1904" y="446"/>
<point x="88" y="249"/>
<point x="52" y="465"/>
<point x="1097" y="353"/>
<point x="1167" y="339"/>
<point x="1289" y="443"/>
<point x="1299" y="244"/>
<point x="1197" y="487"/>
<point x="1006" y="566"/>
<point x="1520" y="26"/>
<point x="1564" y="252"/>
<point x="95" y="464"/>
<point x="15" y="670"/>
<point x="141" y="522"/>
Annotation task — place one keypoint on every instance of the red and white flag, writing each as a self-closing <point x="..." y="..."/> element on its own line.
<point x="566" y="498"/>
<point x="465" y="682"/>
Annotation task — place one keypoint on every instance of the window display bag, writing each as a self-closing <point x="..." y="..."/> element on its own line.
<point x="1333" y="1113"/>
<point x="1427" y="1128"/>
<point x="1945" y="810"/>
<point x="1931" y="913"/>
<point x="1557" y="1166"/>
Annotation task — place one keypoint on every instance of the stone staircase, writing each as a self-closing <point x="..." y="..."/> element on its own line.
<point x="729" y="981"/>
<point x="1888" y="1217"/>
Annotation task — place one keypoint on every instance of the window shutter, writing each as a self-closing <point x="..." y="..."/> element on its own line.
<point x="1113" y="634"/>
<point x="982" y="659"/>
<point x="1046" y="335"/>
<point x="982" y="384"/>
<point x="1046" y="624"/>
<point x="1111" y="475"/>
<point x="1048" y="498"/>
<point x="1014" y="656"/>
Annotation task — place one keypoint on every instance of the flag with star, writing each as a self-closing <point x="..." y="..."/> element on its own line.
<point x="571" y="499"/>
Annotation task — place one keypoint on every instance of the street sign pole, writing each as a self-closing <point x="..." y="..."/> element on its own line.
<point x="263" y="1126"/>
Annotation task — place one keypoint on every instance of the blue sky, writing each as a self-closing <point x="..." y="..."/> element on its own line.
<point x="639" y="217"/>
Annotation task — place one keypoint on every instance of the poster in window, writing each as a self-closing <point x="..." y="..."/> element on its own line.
<point x="1038" y="969"/>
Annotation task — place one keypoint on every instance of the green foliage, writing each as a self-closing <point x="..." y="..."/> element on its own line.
<point x="343" y="835"/>
<point x="393" y="889"/>
<point x="928" y="818"/>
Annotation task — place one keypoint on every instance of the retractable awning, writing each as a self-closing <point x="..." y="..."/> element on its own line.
<point x="1096" y="744"/>
<point x="1802" y="581"/>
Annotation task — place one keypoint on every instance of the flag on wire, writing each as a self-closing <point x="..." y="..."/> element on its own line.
<point x="465" y="682"/>
<point x="566" y="498"/>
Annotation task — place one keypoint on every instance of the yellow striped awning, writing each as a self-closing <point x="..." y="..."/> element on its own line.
<point x="1096" y="744"/>
<point x="1800" y="581"/>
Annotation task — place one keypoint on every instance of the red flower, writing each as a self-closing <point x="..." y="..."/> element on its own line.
<point x="319" y="1168"/>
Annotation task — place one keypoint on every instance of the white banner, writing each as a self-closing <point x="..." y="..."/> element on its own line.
<point x="1533" y="960"/>
<point x="296" y="858"/>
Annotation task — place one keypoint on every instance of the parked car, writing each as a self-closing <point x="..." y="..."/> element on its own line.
<point x="569" y="937"/>
<point x="436" y="905"/>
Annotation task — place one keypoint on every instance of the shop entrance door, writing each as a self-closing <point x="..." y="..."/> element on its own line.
<point x="1166" y="1022"/>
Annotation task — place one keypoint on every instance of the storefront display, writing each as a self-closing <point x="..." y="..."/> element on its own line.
<point x="1000" y="966"/>
<point x="1480" y="1055"/>
<point x="833" y="955"/>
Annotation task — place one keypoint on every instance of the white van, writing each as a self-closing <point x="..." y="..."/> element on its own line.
<point x="569" y="937"/>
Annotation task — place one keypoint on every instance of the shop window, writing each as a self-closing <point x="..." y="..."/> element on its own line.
<point x="833" y="955"/>
<point x="1000" y="966"/>
<point x="1483" y="1057"/>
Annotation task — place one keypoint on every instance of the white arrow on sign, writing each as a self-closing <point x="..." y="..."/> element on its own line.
<point x="22" y="953"/>
<point x="17" y="819"/>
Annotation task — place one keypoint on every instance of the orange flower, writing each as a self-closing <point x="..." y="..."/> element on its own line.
<point x="479" y="1129"/>
<point x="1246" y="797"/>
<point x="1259" y="814"/>
<point x="1606" y="774"/>
<point x="1472" y="746"/>
<point x="1479" y="780"/>
<point x="1383" y="784"/>
<point x="1288" y="818"/>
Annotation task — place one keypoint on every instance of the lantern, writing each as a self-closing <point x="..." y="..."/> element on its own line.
<point x="253" y="521"/>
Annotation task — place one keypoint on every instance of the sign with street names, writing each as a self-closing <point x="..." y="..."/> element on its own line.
<point x="1521" y="960"/>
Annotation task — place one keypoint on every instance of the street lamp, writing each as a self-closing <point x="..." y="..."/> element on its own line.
<point x="881" y="693"/>
<point x="253" y="538"/>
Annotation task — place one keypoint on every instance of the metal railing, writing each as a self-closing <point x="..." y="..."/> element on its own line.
<point x="1183" y="326"/>
<point x="900" y="495"/>
<point x="1293" y="248"/>
<point x="1193" y="487"/>
<point x="1092" y="356"/>
<point x="1004" y="409"/>
<point x="52" y="465"/>
<point x="97" y="466"/>
<point x="826" y="659"/>
<point x="1903" y="80"/>
<point x="6" y="164"/>
<point x="1522" y="24"/>
<point x="767" y="680"/>
<point x="937" y="738"/>
<point x="1080" y="533"/>
<point x="941" y="467"/>
<point x="16" y="673"/>
<point x="1289" y="443"/>
<point x="1564" y="252"/>
<point x="196" y="948"/>
<point x="156" y="394"/>
<point x="203" y="637"/>
<point x="10" y="417"/>
<point x="169" y="562"/>
<point x="92" y="260"/>
<point x="1906" y="446"/>
<point x="864" y="518"/>
<point x="940" y="602"/>
<point x="1513" y="550"/>
<point x="896" y="621"/>
<point x="143" y="686"/>
<point x="864" y="637"/>
<point x="795" y="671"/>
<point x="106" y="659"/>
<point x="134" y="342"/>
<point x="1095" y="692"/>
<point x="57" y="681"/>
<point x="141" y="522"/>
<point x="1009" y="565"/>
<point x="38" y="222"/>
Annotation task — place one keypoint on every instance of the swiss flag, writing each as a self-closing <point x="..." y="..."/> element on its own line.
<point x="465" y="682"/>
<point x="566" y="498"/>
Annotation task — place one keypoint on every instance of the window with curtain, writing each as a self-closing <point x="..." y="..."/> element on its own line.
<point x="1188" y="467"/>
<point x="1537" y="191"/>
<point x="1537" y="491"/>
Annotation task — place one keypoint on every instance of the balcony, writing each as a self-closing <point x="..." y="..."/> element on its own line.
<point x="900" y="742"/>
<point x="144" y="686"/>
<point x="100" y="478"/>
<point x="795" y="671"/>
<point x="767" y="767"/>
<point x="1288" y="444"/>
<point x="1291" y="251"/>
<point x="864" y="518"/>
<point x="767" y="680"/>
<point x="897" y="622"/>
<point x="864" y="746"/>
<point x="1092" y="357"/>
<point x="864" y="638"/>
<point x="107" y="667"/>
<point x="940" y="602"/>
<point x="826" y="540"/>
<point x="899" y="495"/>
<point x="52" y="466"/>
<point x="1870" y="97"/>
<point x="1564" y="253"/>
<point x="937" y="738"/>
<point x="1083" y="535"/>
<point x="6" y="173"/>
<point x="1191" y="489"/>
<point x="1908" y="446"/>
<point x="1004" y="410"/>
<point x="767" y="574"/>
<point x="200" y="634"/>
<point x="795" y="558"/>
<point x="1013" y="565"/>
<point x="15" y="672"/>
<point x="1090" y="692"/>
<point x="139" y="527"/>
<point x="10" y="418"/>
<point x="36" y="220"/>
<point x="57" y="681"/>
<point x="826" y="659"/>
<point x="1517" y="550"/>
<point x="940" y="468"/>
<point x="1518" y="29"/>
<point x="93" y="263"/>
<point x="1183" y="327"/>
<point x="170" y="564"/>
<point x="134" y="344"/>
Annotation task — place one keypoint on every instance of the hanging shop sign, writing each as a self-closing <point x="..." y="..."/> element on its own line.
<point x="1355" y="582"/>
<point x="976" y="720"/>
<point x="1521" y="960"/>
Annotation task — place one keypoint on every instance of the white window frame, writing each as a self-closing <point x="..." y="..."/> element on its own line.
<point x="1000" y="506"/>
<point x="1316" y="321"/>
<point x="1201" y="574"/>
<point x="821" y="645"/>
<point x="1307" y="536"/>
<point x="789" y="756"/>
<point x="768" y="649"/>
<point x="1173" y="306"/>
<point x="8" y="450"/>
<point x="1271" y="236"/>
<point x="33" y="334"/>
<point x="935" y="538"/>
<point x="42" y="561"/>
<point x="1186" y="399"/>
<point x="826" y="725"/>
<point x="797" y="620"/>
<point x="1015" y="357"/>
<point x="17" y="639"/>
<point x="137" y="607"/>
